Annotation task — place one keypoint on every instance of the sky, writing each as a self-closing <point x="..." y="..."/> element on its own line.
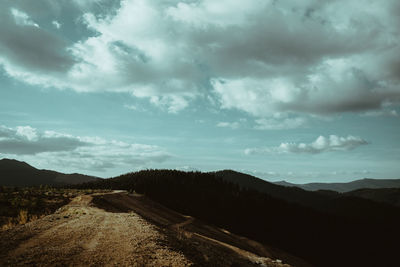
<point x="301" y="91"/>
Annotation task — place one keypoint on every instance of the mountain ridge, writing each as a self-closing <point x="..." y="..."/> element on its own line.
<point x="364" y="183"/>
<point x="20" y="173"/>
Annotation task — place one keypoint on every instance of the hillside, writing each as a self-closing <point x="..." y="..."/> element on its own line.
<point x="290" y="194"/>
<point x="321" y="200"/>
<point x="18" y="173"/>
<point x="120" y="229"/>
<point x="385" y="195"/>
<point x="338" y="231"/>
<point x="346" y="187"/>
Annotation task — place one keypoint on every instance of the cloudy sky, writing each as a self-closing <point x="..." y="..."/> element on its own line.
<point x="287" y="90"/>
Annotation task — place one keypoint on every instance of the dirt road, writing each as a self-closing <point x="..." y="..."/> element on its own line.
<point x="202" y="244"/>
<point x="80" y="234"/>
<point x="118" y="229"/>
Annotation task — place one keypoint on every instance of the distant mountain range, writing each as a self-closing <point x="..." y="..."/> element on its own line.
<point x="18" y="173"/>
<point x="346" y="187"/>
<point x="318" y="195"/>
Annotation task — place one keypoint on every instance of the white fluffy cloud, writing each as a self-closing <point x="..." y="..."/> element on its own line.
<point x="64" y="150"/>
<point x="261" y="57"/>
<point x="320" y="145"/>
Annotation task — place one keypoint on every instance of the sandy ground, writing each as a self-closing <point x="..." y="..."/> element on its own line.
<point x="119" y="229"/>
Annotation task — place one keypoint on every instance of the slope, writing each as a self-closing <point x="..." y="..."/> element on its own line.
<point x="339" y="233"/>
<point x="18" y="173"/>
<point x="106" y="230"/>
<point x="346" y="187"/>
<point x="386" y="195"/>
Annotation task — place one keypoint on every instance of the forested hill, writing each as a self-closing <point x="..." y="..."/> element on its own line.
<point x="351" y="232"/>
<point x="290" y="194"/>
<point x="320" y="199"/>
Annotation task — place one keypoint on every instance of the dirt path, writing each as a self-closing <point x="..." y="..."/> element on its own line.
<point x="201" y="243"/>
<point x="119" y="229"/>
<point x="80" y="234"/>
<point x="180" y="228"/>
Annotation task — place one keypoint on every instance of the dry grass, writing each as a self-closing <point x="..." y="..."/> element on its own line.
<point x="8" y="225"/>
<point x="22" y="205"/>
<point x="23" y="216"/>
<point x="98" y="238"/>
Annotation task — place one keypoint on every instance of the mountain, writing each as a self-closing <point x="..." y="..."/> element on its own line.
<point x="319" y="199"/>
<point x="284" y="183"/>
<point x="296" y="195"/>
<point x="322" y="195"/>
<point x="18" y="173"/>
<point x="323" y="228"/>
<point x="346" y="187"/>
<point x="386" y="195"/>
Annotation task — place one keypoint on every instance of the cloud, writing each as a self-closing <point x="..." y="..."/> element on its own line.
<point x="90" y="153"/>
<point x="28" y="51"/>
<point x="232" y="125"/>
<point x="56" y="24"/>
<point x="25" y="140"/>
<point x="320" y="145"/>
<point x="260" y="57"/>
<point x="131" y="107"/>
<point x="379" y="113"/>
<point x="279" y="123"/>
<point x="172" y="103"/>
<point x="22" y="18"/>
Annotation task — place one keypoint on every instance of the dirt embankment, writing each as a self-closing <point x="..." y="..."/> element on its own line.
<point x="80" y="234"/>
<point x="201" y="243"/>
<point x="127" y="230"/>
